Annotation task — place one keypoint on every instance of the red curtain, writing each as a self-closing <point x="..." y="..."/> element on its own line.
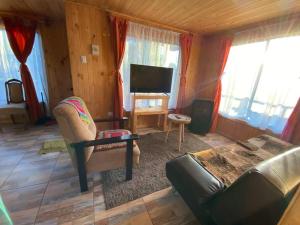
<point x="225" y="45"/>
<point x="21" y="34"/>
<point x="185" y="41"/>
<point x="293" y="122"/>
<point x="119" y="30"/>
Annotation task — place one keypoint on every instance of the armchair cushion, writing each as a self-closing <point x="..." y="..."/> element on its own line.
<point x="110" y="134"/>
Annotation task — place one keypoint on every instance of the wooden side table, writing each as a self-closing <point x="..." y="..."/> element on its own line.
<point x="161" y="111"/>
<point x="181" y="120"/>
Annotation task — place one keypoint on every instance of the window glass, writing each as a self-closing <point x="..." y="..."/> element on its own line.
<point x="261" y="82"/>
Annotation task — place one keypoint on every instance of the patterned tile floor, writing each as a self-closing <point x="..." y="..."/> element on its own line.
<point x="44" y="189"/>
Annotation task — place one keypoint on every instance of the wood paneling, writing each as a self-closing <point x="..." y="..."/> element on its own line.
<point x="210" y="46"/>
<point x="54" y="38"/>
<point x="237" y="129"/>
<point x="193" y="15"/>
<point x="193" y="79"/>
<point x="93" y="81"/>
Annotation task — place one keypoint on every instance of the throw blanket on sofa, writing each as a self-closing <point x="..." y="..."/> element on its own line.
<point x="78" y="104"/>
<point x="229" y="162"/>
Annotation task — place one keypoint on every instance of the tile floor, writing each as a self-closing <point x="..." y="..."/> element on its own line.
<point x="44" y="189"/>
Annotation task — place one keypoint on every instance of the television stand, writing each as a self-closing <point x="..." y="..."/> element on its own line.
<point x="160" y="111"/>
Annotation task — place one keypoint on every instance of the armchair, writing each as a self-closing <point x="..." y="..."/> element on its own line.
<point x="91" y="151"/>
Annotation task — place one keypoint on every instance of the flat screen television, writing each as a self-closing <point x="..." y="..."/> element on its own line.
<point x="150" y="79"/>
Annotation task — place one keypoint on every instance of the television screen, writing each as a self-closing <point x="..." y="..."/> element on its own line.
<point x="150" y="79"/>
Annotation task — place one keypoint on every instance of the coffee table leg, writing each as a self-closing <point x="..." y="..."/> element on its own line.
<point x="180" y="137"/>
<point x="168" y="131"/>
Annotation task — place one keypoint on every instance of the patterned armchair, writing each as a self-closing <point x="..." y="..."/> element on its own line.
<point x="93" y="151"/>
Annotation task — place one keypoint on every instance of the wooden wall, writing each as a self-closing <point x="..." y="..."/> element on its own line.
<point x="93" y="81"/>
<point x="54" y="38"/>
<point x="193" y="80"/>
<point x="237" y="129"/>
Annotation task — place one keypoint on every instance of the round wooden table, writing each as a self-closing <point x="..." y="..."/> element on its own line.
<point x="181" y="120"/>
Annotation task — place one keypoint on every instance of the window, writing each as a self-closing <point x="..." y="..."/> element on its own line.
<point x="9" y="67"/>
<point x="261" y="82"/>
<point x="150" y="46"/>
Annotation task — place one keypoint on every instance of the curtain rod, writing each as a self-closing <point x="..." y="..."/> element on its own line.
<point x="37" y="18"/>
<point x="146" y="22"/>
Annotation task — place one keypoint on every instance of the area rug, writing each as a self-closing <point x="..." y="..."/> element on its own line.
<point x="150" y="175"/>
<point x="58" y="145"/>
<point x="229" y="162"/>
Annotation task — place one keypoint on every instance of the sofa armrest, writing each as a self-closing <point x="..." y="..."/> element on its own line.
<point x="193" y="182"/>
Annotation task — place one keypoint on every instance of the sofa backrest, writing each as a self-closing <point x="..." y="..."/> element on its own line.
<point x="260" y="195"/>
<point x="73" y="128"/>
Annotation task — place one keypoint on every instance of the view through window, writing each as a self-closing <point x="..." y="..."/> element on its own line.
<point x="261" y="81"/>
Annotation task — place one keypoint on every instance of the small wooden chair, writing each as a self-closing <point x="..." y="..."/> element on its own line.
<point x="16" y="104"/>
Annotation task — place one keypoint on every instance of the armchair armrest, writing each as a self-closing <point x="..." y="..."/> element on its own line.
<point x="103" y="141"/>
<point x="120" y="120"/>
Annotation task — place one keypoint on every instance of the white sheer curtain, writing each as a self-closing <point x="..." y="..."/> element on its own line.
<point x="261" y="82"/>
<point x="9" y="67"/>
<point x="150" y="46"/>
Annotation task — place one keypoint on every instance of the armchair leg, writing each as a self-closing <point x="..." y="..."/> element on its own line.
<point x="81" y="168"/>
<point x="129" y="160"/>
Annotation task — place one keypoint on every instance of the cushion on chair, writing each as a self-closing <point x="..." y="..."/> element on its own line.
<point x="110" y="134"/>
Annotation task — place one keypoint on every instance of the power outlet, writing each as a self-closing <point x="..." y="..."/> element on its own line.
<point x="83" y="59"/>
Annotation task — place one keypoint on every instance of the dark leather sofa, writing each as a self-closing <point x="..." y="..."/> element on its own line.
<point x="258" y="197"/>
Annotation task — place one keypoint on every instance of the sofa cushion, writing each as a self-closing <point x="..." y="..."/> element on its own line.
<point x="111" y="134"/>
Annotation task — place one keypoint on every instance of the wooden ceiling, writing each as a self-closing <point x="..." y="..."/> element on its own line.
<point x="53" y="9"/>
<point x="193" y="15"/>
